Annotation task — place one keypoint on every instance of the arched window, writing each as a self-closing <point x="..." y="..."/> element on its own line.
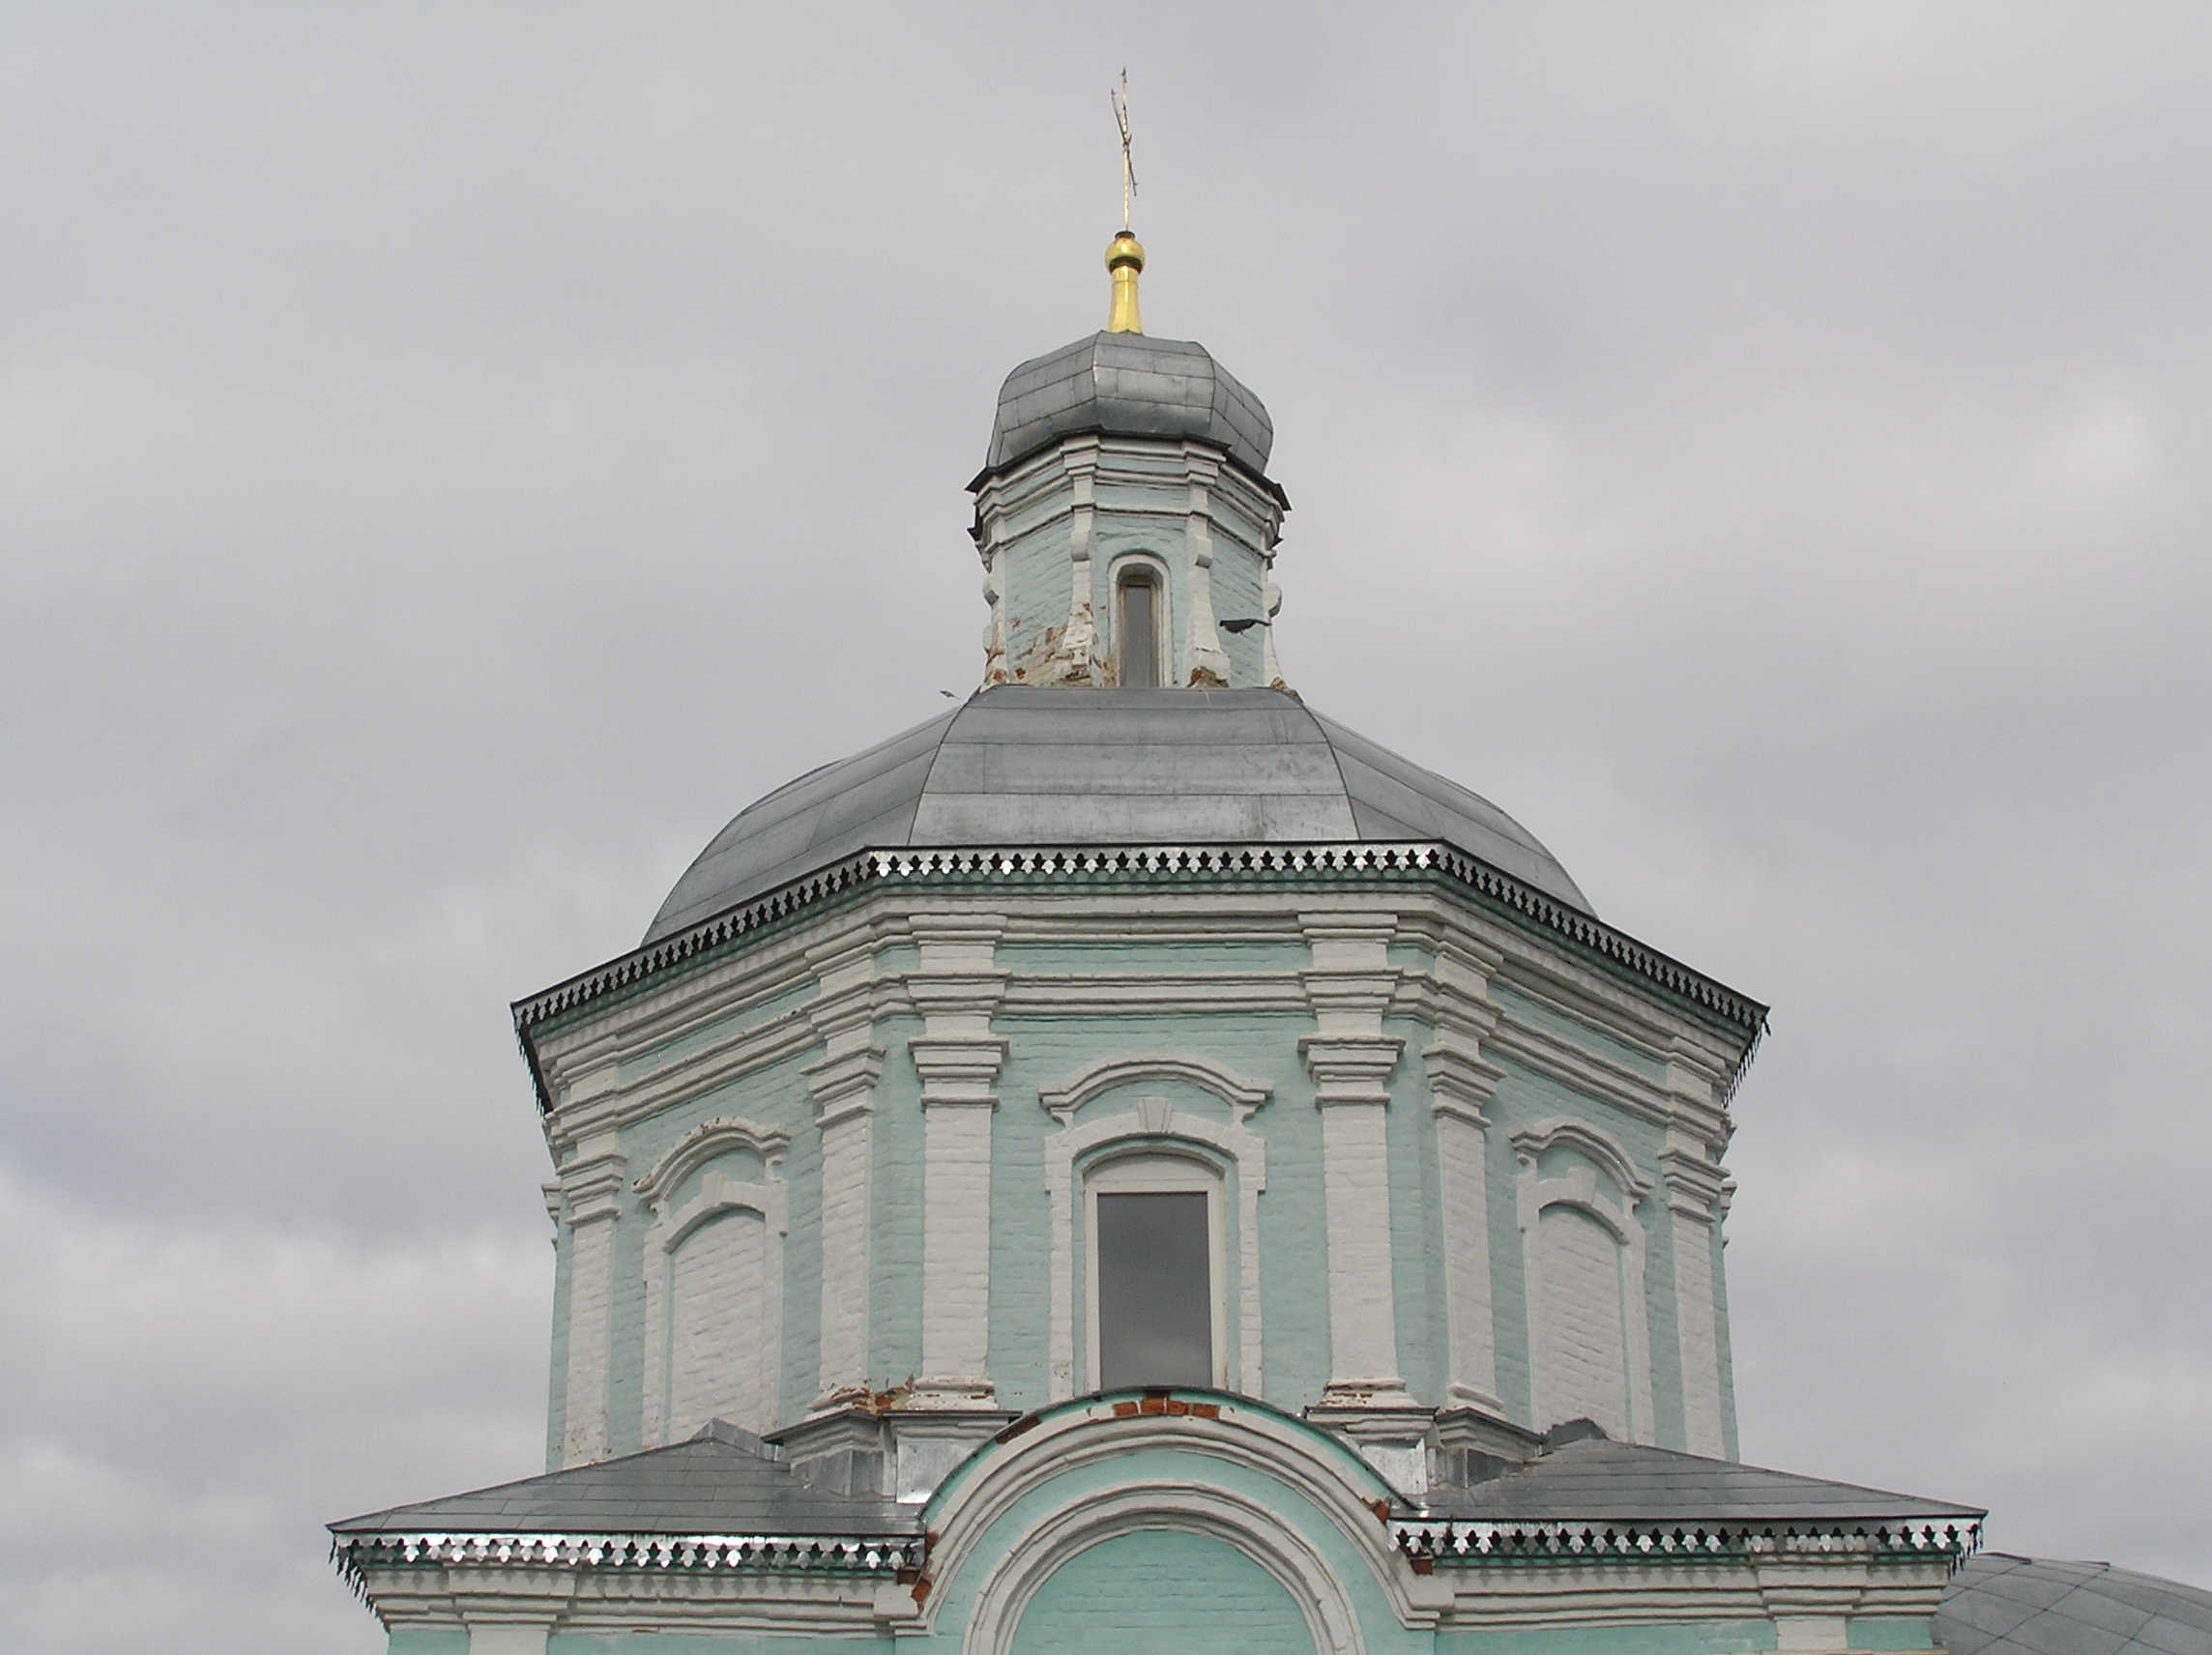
<point x="1137" y="653"/>
<point x="1154" y="1268"/>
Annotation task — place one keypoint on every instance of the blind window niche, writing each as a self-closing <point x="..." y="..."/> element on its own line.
<point x="1155" y="1275"/>
<point x="1137" y="630"/>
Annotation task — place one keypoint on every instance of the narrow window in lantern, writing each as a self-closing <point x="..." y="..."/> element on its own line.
<point x="1136" y="634"/>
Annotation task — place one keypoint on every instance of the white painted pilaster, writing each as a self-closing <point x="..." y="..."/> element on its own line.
<point x="590" y="1189"/>
<point x="956" y="987"/>
<point x="1351" y="1059"/>
<point x="1209" y="662"/>
<point x="1461" y="1084"/>
<point x="843" y="1086"/>
<point x="1076" y="660"/>
<point x="1270" y="669"/>
<point x="1694" y="1184"/>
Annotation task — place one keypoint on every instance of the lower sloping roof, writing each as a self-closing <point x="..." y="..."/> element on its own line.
<point x="1597" y="1480"/>
<point x="722" y="1482"/>
<point x="2001" y="1604"/>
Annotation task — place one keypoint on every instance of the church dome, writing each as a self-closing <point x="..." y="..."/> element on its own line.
<point x="1017" y="765"/>
<point x="2000" y="1605"/>
<point x="1129" y="384"/>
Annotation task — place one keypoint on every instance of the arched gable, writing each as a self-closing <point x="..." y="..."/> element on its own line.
<point x="1294" y="1501"/>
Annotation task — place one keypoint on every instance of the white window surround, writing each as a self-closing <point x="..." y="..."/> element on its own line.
<point x="1142" y="566"/>
<point x="1154" y="1126"/>
<point x="1578" y="1189"/>
<point x="717" y="1193"/>
<point x="1156" y="1171"/>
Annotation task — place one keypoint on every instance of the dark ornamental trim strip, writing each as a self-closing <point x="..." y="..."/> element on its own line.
<point x="861" y="1555"/>
<point x="1146" y="865"/>
<point x="1456" y="1544"/>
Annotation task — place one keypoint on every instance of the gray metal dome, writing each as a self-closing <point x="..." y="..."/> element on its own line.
<point x="1022" y="766"/>
<point x="1999" y="1605"/>
<point x="1129" y="384"/>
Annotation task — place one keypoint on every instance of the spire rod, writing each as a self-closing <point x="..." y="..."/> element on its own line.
<point x="1121" y="103"/>
<point x="1125" y="254"/>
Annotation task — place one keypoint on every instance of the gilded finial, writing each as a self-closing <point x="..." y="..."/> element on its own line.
<point x="1126" y="255"/>
<point x="1124" y="258"/>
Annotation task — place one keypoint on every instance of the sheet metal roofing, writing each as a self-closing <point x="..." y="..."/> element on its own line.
<point x="1020" y="766"/>
<point x="1597" y="1480"/>
<point x="2000" y="1605"/>
<point x="723" y="1481"/>
<point x="1129" y="384"/>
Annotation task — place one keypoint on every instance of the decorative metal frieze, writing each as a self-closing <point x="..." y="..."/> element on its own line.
<point x="1091" y="865"/>
<point x="1428" y="1544"/>
<point x="865" y="1554"/>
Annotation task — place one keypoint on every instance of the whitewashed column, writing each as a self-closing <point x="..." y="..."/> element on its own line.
<point x="957" y="988"/>
<point x="1077" y="659"/>
<point x="843" y="1086"/>
<point x="1348" y="987"/>
<point x="591" y="1190"/>
<point x="1460" y="1082"/>
<point x="1209" y="662"/>
<point x="1694" y="1184"/>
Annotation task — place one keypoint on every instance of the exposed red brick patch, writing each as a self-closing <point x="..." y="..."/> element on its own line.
<point x="1205" y="1411"/>
<point x="920" y="1593"/>
<point x="1029" y="1422"/>
<point x="1123" y="1409"/>
<point x="1178" y="1408"/>
<point x="1381" y="1509"/>
<point x="1153" y="1405"/>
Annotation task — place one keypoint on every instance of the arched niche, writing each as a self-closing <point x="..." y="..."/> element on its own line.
<point x="1293" y="1502"/>
<point x="714" y="1281"/>
<point x="1589" y="1329"/>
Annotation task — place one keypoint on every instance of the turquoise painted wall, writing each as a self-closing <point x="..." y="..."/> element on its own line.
<point x="1046" y="1052"/>
<point x="420" y="1640"/>
<point x="705" y="1643"/>
<point x="1747" y="1637"/>
<point x="1162" y="1592"/>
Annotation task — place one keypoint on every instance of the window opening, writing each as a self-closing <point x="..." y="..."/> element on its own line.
<point x="1137" y="633"/>
<point x="1156" y="1289"/>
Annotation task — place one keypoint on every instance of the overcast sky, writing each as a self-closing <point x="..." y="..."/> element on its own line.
<point x="452" y="459"/>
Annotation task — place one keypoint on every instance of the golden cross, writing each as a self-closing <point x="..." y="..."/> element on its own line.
<point x="1120" y="102"/>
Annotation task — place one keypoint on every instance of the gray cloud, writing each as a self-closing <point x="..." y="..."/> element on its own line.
<point x="449" y="461"/>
